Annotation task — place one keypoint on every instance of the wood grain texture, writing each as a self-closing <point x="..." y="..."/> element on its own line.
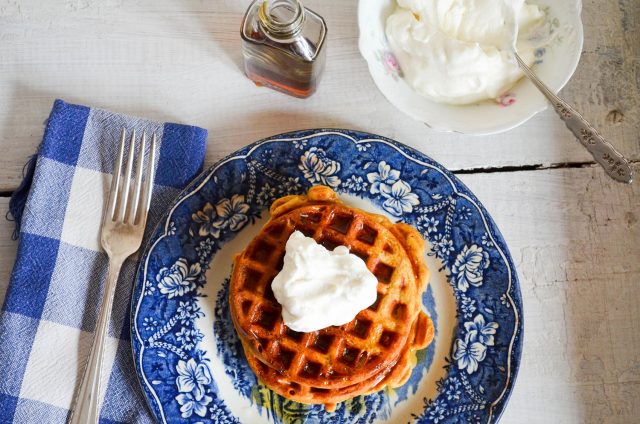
<point x="575" y="239"/>
<point x="181" y="61"/>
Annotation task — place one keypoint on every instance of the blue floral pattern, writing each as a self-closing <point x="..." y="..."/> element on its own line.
<point x="398" y="198"/>
<point x="468" y="269"/>
<point x="318" y="168"/>
<point x="175" y="369"/>
<point x="179" y="279"/>
<point x="192" y="377"/>
<point x="384" y="178"/>
<point x="233" y="212"/>
<point x="473" y="349"/>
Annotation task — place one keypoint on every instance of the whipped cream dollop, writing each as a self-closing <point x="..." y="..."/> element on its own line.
<point x="459" y="51"/>
<point x="318" y="288"/>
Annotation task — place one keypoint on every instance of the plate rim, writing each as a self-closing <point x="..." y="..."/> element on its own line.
<point x="514" y="354"/>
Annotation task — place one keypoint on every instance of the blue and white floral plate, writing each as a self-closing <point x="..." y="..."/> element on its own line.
<point x="188" y="357"/>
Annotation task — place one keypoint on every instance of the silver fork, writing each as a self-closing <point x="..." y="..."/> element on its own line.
<point x="123" y="225"/>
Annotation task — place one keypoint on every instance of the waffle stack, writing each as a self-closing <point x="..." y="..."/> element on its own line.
<point x="376" y="349"/>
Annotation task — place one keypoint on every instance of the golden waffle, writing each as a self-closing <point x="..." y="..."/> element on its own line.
<point x="334" y="357"/>
<point x="394" y="376"/>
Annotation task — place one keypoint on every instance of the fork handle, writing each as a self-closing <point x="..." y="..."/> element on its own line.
<point x="86" y="406"/>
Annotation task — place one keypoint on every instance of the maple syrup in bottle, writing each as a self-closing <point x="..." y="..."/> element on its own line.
<point x="283" y="46"/>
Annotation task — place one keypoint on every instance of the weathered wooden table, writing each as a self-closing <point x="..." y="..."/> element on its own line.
<point x="573" y="233"/>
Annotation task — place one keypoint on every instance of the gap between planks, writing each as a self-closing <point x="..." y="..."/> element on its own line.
<point x="534" y="167"/>
<point x="488" y="170"/>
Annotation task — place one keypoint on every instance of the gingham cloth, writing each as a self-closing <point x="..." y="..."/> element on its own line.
<point x="51" y="304"/>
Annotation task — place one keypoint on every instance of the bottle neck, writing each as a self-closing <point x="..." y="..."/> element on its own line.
<point x="281" y="20"/>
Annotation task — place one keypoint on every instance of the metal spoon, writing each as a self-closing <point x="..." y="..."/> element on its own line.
<point x="614" y="164"/>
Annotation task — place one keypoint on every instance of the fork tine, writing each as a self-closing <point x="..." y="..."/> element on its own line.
<point x="135" y="198"/>
<point x="147" y="188"/>
<point x="124" y="192"/>
<point x="115" y="179"/>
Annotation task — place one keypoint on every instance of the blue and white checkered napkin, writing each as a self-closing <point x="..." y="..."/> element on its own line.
<point x="51" y="305"/>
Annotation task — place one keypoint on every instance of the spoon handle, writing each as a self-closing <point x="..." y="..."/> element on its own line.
<point x="614" y="164"/>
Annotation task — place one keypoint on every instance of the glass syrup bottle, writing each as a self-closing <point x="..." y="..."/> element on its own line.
<point x="283" y="46"/>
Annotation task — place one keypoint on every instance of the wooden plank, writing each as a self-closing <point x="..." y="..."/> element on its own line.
<point x="575" y="238"/>
<point x="8" y="248"/>
<point x="181" y="61"/>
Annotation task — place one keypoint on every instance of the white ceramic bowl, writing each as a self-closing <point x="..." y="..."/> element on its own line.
<point x="556" y="64"/>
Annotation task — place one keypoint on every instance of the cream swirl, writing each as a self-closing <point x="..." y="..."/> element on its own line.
<point x="457" y="51"/>
<point x="318" y="288"/>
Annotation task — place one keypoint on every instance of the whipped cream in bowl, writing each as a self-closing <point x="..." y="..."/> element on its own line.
<point x="449" y="63"/>
<point x="458" y="51"/>
<point x="318" y="288"/>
